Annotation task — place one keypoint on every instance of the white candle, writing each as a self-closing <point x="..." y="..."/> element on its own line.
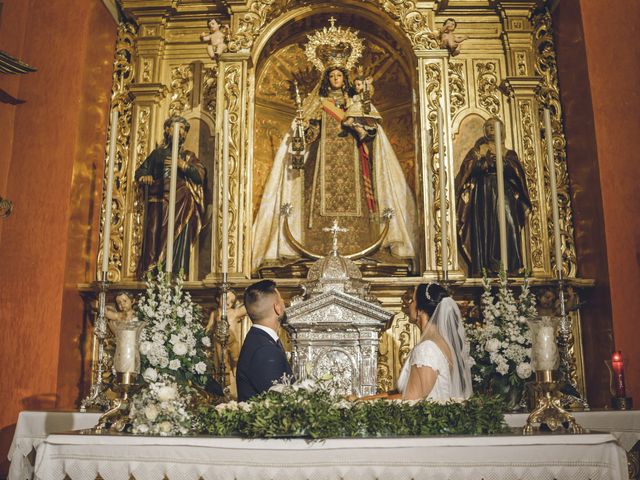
<point x="502" y="220"/>
<point x="443" y="195"/>
<point x="106" y="231"/>
<point x="225" y="192"/>
<point x="546" y="354"/>
<point x="126" y="350"/>
<point x="551" y="164"/>
<point x="175" y="145"/>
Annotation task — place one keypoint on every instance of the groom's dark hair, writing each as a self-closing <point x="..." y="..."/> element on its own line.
<point x="258" y="299"/>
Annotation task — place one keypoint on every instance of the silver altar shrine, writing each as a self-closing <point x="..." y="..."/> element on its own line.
<point x="335" y="327"/>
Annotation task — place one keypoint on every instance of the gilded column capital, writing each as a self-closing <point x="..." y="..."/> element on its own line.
<point x="516" y="86"/>
<point x="149" y="92"/>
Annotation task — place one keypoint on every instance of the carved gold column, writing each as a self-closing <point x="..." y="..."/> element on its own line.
<point x="520" y="85"/>
<point x="433" y="89"/>
<point x="233" y="86"/>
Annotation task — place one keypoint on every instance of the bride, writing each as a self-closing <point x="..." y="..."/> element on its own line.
<point x="439" y="366"/>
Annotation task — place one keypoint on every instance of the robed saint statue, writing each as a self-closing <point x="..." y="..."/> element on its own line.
<point x="154" y="175"/>
<point x="477" y="206"/>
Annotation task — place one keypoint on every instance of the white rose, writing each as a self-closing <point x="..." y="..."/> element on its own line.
<point x="502" y="368"/>
<point x="165" y="427"/>
<point x="144" y="428"/>
<point x="145" y="348"/>
<point x="492" y="345"/>
<point x="164" y="362"/>
<point x="174" y="339"/>
<point x="524" y="370"/>
<point x="180" y="349"/>
<point x="166" y="393"/>
<point x="244" y="406"/>
<point x="201" y="367"/>
<point x="151" y="412"/>
<point x="174" y="364"/>
<point x="150" y="375"/>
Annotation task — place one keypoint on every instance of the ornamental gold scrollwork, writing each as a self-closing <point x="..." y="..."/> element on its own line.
<point x="548" y="94"/>
<point x="142" y="150"/>
<point x="528" y="157"/>
<point x="210" y="89"/>
<point x="457" y="92"/>
<point x="180" y="89"/>
<point x="413" y="22"/>
<point x="394" y="347"/>
<point x="488" y="93"/>
<point x="122" y="79"/>
<point x="232" y="98"/>
<point x="433" y="89"/>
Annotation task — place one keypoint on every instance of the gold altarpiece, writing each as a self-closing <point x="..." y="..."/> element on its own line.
<point x="507" y="68"/>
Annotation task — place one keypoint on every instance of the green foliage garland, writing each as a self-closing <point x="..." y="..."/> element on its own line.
<point x="317" y="414"/>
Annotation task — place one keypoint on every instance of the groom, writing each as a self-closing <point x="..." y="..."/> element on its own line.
<point x="262" y="359"/>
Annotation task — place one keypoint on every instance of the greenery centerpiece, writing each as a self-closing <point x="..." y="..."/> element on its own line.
<point x="312" y="409"/>
<point x="501" y="343"/>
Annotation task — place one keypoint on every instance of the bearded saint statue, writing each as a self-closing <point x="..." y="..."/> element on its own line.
<point x="350" y="171"/>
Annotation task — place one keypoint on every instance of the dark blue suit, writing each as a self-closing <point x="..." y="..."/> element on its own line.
<point x="261" y="362"/>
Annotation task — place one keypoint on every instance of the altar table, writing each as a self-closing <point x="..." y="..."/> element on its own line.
<point x="118" y="457"/>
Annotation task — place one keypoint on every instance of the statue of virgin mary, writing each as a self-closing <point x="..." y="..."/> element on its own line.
<point x="345" y="175"/>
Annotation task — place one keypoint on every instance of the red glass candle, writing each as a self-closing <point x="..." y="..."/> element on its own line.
<point x="618" y="374"/>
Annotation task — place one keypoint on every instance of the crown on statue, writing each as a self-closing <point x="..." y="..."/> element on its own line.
<point x="334" y="47"/>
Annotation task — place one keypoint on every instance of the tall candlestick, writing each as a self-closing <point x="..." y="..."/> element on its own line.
<point x="502" y="220"/>
<point x="106" y="231"/>
<point x="175" y="146"/>
<point x="225" y="192"/>
<point x="618" y="374"/>
<point x="548" y="133"/>
<point x="443" y="196"/>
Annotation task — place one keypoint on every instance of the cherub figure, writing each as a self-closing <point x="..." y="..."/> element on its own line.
<point x="123" y="311"/>
<point x="235" y="313"/>
<point x="361" y="116"/>
<point x="448" y="39"/>
<point x="215" y="38"/>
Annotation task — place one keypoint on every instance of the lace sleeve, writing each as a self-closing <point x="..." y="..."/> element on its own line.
<point x="427" y="354"/>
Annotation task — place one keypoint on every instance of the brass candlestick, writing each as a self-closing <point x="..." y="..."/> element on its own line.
<point x="546" y="360"/>
<point x="126" y="361"/>
<point x="117" y="417"/>
<point x="549" y="411"/>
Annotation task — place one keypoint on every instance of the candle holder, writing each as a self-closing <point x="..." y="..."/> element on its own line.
<point x="567" y="362"/>
<point x="545" y="359"/>
<point x="97" y="397"/>
<point x="619" y="399"/>
<point x="126" y="361"/>
<point x="222" y="330"/>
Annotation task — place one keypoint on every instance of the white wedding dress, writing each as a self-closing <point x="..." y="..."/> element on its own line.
<point x="454" y="378"/>
<point x="428" y="354"/>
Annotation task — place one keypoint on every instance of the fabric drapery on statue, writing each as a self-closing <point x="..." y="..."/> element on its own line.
<point x="350" y="173"/>
<point x="154" y="173"/>
<point x="477" y="205"/>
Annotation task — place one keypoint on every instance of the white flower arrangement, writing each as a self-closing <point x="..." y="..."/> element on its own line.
<point x="173" y="344"/>
<point x="161" y="409"/>
<point x="501" y="344"/>
<point x="173" y="359"/>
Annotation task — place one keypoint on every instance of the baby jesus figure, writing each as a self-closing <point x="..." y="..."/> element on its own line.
<point x="124" y="309"/>
<point x="448" y="39"/>
<point x="215" y="37"/>
<point x="361" y="117"/>
<point x="235" y="313"/>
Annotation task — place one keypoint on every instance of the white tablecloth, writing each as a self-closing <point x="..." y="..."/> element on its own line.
<point x="83" y="457"/>
<point x="31" y="430"/>
<point x="624" y="425"/>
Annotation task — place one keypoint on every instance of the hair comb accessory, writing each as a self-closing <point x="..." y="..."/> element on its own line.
<point x="426" y="291"/>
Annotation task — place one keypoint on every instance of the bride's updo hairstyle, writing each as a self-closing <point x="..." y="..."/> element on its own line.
<point x="428" y="296"/>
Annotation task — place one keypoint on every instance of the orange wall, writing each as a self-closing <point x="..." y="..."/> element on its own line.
<point x="55" y="157"/>
<point x="611" y="32"/>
